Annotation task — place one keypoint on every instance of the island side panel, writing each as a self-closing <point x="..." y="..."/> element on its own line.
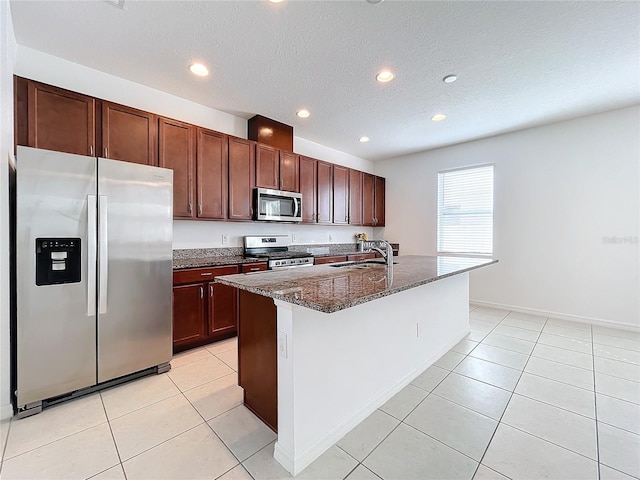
<point x="257" y="356"/>
<point x="341" y="367"/>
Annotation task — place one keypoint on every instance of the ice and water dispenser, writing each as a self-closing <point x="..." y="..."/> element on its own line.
<point x="58" y="260"/>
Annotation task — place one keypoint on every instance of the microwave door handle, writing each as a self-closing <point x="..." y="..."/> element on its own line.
<point x="295" y="210"/>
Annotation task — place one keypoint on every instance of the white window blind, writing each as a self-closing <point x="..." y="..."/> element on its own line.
<point x="465" y="211"/>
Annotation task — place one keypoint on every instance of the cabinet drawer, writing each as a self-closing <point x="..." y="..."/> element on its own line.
<point x="253" y="267"/>
<point x="194" y="275"/>
<point x="334" y="259"/>
<point x="361" y="256"/>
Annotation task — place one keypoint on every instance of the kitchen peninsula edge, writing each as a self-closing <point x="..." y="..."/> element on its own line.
<point x="321" y="348"/>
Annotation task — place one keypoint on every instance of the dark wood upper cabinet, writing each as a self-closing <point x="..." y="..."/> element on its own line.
<point x="368" y="199"/>
<point x="308" y="188"/>
<point x="340" y="195"/>
<point x="212" y="168"/>
<point x="289" y="175"/>
<point x="176" y="150"/>
<point x="355" y="197"/>
<point x="129" y="134"/>
<point x="325" y="192"/>
<point x="54" y="119"/>
<point x="267" y="167"/>
<point x="380" y="201"/>
<point x="241" y="178"/>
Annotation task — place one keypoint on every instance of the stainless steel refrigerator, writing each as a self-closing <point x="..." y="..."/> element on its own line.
<point x="94" y="273"/>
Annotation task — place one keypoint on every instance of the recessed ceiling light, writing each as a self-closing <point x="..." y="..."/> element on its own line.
<point x="385" y="76"/>
<point x="374" y="2"/>
<point x="199" y="69"/>
<point x="363" y="139"/>
<point x="303" y="113"/>
<point x="450" y="78"/>
<point x="438" y="117"/>
<point x="274" y="1"/>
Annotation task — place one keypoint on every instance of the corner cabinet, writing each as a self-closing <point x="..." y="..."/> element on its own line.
<point x="373" y="201"/>
<point x="203" y="311"/>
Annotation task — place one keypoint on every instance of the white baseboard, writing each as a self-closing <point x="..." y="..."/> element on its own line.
<point x="561" y="316"/>
<point x="296" y="465"/>
<point x="6" y="411"/>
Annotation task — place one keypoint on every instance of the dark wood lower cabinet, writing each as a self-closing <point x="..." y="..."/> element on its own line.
<point x="332" y="259"/>
<point x="203" y="311"/>
<point x="258" y="357"/>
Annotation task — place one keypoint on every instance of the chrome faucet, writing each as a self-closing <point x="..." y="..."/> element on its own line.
<point x="387" y="254"/>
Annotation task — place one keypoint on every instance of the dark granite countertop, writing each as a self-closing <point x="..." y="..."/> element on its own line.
<point x="211" y="261"/>
<point x="328" y="288"/>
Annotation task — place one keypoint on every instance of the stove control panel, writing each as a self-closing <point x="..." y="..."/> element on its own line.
<point x="291" y="262"/>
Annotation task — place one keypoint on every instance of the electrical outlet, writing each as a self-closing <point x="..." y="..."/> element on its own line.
<point x="418" y="329"/>
<point x="294" y="237"/>
<point x="225" y="238"/>
<point x="330" y="238"/>
<point x="282" y="344"/>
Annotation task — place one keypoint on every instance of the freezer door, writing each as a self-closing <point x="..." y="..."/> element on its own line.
<point x="56" y="322"/>
<point x="135" y="234"/>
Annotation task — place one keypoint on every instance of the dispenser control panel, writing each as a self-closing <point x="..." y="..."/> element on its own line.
<point x="58" y="260"/>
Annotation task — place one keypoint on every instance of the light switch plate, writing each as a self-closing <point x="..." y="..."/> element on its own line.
<point x="225" y="238"/>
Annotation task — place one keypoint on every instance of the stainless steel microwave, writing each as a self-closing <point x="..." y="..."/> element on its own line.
<point x="277" y="205"/>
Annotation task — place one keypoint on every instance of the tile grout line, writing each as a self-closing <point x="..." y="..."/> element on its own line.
<point x="113" y="437"/>
<point x="6" y="441"/>
<point x="595" y="404"/>
<point x="507" y="406"/>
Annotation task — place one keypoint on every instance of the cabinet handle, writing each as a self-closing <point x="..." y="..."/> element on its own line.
<point x="91" y="150"/>
<point x="200" y="209"/>
<point x="211" y="291"/>
<point x="206" y="274"/>
<point x="254" y="269"/>
<point x="201" y="292"/>
<point x="190" y="207"/>
<point x="106" y="152"/>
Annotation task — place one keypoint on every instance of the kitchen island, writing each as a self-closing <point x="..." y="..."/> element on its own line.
<point x="320" y="348"/>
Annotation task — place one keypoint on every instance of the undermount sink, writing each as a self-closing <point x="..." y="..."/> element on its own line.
<point x="361" y="264"/>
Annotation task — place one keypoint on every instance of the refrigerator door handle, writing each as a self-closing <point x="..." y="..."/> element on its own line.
<point x="92" y="238"/>
<point x="103" y="254"/>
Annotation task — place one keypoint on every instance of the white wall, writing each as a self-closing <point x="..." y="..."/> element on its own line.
<point x="7" y="59"/>
<point x="561" y="192"/>
<point x="46" y="68"/>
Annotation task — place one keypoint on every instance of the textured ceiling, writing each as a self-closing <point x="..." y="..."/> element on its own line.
<point x="519" y="64"/>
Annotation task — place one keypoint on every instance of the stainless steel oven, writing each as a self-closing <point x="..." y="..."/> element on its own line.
<point x="275" y="249"/>
<point x="277" y="205"/>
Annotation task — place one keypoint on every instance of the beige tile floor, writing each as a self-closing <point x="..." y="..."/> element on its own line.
<point x="522" y="397"/>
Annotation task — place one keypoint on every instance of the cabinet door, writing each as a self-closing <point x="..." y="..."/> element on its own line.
<point x="368" y="199"/>
<point x="308" y="189"/>
<point x="212" y="177"/>
<point x="58" y="119"/>
<point x="241" y="178"/>
<point x="289" y="176"/>
<point x="128" y="134"/>
<point x="380" y="203"/>
<point x="358" y="257"/>
<point x="355" y="197"/>
<point x="188" y="314"/>
<point x="325" y="192"/>
<point x="176" y="150"/>
<point x="223" y="308"/>
<point x="266" y="167"/>
<point x="340" y="195"/>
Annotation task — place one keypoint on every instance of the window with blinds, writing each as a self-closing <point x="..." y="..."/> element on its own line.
<point x="465" y="211"/>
